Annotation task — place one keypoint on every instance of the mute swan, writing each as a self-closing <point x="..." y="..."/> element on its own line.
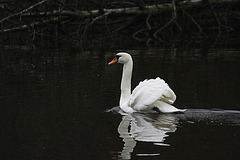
<point x="149" y="94"/>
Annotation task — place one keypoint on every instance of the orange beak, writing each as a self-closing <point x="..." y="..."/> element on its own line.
<point x="113" y="61"/>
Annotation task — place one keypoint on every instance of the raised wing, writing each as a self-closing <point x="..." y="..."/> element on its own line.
<point x="148" y="91"/>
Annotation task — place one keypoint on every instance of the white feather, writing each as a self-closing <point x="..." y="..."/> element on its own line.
<point x="149" y="91"/>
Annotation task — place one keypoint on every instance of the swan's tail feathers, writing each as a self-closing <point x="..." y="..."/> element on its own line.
<point x="166" y="108"/>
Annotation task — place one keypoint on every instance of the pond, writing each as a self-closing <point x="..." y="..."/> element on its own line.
<point x="60" y="105"/>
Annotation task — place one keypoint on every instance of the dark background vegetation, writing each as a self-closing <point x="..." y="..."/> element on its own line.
<point x="88" y="23"/>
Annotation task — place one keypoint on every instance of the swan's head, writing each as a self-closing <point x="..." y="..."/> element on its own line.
<point x="121" y="57"/>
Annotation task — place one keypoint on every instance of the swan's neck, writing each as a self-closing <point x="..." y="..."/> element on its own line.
<point x="126" y="86"/>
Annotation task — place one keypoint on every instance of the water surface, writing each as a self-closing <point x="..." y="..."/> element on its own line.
<point x="53" y="105"/>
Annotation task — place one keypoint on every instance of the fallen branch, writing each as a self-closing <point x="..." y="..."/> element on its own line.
<point x="23" y="11"/>
<point x="144" y="23"/>
<point x="26" y="27"/>
<point x="151" y="9"/>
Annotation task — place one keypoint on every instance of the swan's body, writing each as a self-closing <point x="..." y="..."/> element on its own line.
<point x="149" y="94"/>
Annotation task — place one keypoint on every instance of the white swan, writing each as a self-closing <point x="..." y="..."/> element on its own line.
<point x="148" y="95"/>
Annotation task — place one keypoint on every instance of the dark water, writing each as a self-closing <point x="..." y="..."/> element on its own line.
<point x="56" y="106"/>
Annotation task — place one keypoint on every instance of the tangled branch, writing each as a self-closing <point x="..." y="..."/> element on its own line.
<point x="82" y="24"/>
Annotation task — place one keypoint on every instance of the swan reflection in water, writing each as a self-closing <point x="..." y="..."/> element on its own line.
<point x="145" y="128"/>
<point x="155" y="127"/>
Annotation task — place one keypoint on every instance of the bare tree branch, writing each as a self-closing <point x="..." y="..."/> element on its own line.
<point x="23" y="11"/>
<point x="169" y="22"/>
